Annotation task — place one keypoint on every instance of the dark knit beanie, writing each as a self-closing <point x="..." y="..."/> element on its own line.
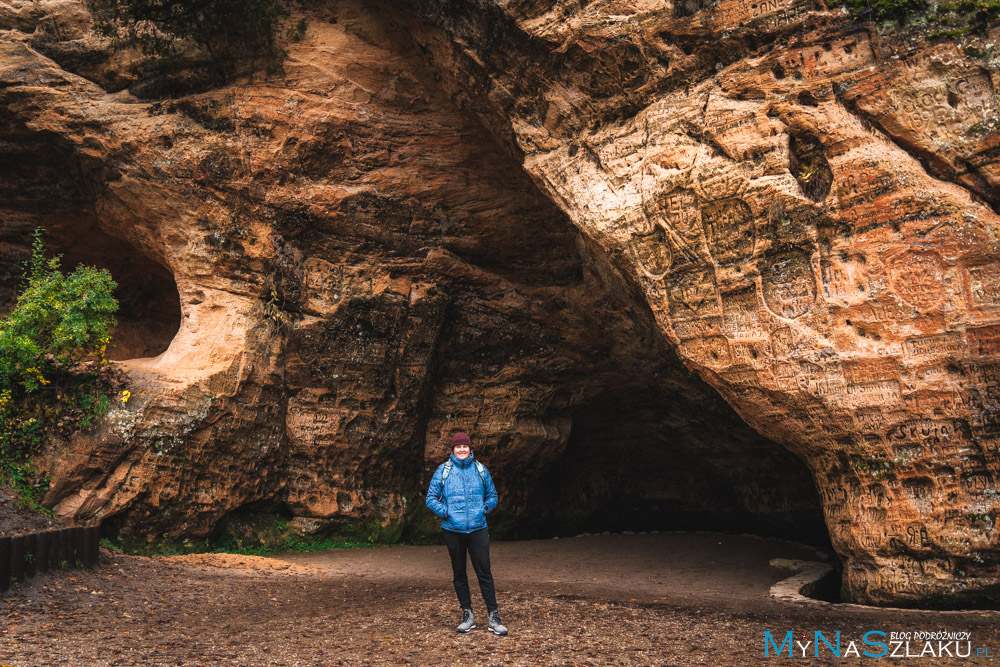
<point x="460" y="439"/>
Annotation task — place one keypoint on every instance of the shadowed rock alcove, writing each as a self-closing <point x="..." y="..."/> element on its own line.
<point x="149" y="313"/>
<point x="149" y="305"/>
<point x="45" y="182"/>
<point x="644" y="444"/>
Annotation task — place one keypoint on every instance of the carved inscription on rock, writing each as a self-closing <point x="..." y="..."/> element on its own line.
<point x="842" y="278"/>
<point x="783" y="343"/>
<point x="871" y="370"/>
<point x="729" y="228"/>
<point x="693" y="294"/>
<point x="949" y="344"/>
<point x="676" y="210"/>
<point x="931" y="104"/>
<point x="678" y="220"/>
<point x="711" y="351"/>
<point x="982" y="290"/>
<point x="788" y="285"/>
<point x="840" y="55"/>
<point x="768" y="14"/>
<point x="741" y="316"/>
<point x="886" y="392"/>
<point x="984" y="341"/>
<point x="753" y="353"/>
<point x="928" y="436"/>
<point x="653" y="254"/>
<point x="917" y="277"/>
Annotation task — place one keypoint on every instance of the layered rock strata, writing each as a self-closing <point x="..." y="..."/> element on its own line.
<point x="322" y="276"/>
<point x="341" y="266"/>
<point x="809" y="206"/>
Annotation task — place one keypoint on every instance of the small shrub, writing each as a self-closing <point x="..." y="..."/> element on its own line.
<point x="57" y="321"/>
<point x="50" y="344"/>
<point x="236" y="34"/>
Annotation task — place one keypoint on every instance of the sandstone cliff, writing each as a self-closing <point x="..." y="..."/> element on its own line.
<point x="809" y="205"/>
<point x="565" y="229"/>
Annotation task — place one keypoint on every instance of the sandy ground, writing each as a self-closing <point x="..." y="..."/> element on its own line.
<point x="670" y="599"/>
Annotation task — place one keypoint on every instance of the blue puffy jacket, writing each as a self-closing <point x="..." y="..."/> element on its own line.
<point x="462" y="500"/>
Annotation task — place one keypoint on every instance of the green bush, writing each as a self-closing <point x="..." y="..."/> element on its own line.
<point x="945" y="19"/>
<point x="235" y="33"/>
<point x="885" y="10"/>
<point x="57" y="322"/>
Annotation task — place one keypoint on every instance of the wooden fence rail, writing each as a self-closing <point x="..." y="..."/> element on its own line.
<point x="23" y="556"/>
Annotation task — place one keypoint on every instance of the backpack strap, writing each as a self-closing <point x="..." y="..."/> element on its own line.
<point x="480" y="468"/>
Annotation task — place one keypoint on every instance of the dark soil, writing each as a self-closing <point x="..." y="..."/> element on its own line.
<point x="14" y="520"/>
<point x="672" y="599"/>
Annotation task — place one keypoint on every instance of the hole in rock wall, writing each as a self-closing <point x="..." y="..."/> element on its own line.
<point x="149" y="306"/>
<point x="149" y="310"/>
<point x="808" y="164"/>
<point x="45" y="181"/>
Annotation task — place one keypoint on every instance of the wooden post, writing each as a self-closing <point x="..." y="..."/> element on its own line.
<point x="17" y="558"/>
<point x="4" y="563"/>
<point x="43" y="541"/>
<point x="54" y="549"/>
<point x="29" y="555"/>
<point x="93" y="550"/>
<point x="57" y="552"/>
<point x="74" y="537"/>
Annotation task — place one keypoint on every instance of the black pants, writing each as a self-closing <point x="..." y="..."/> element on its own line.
<point x="477" y="544"/>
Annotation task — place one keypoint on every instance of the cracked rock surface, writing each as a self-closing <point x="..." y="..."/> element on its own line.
<point x="566" y="229"/>
<point x="808" y="204"/>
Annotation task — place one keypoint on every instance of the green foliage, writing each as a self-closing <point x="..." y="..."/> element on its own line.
<point x="292" y="544"/>
<point x="969" y="15"/>
<point x="945" y="19"/>
<point x="57" y="322"/>
<point x="236" y="33"/>
<point x="273" y="314"/>
<point x="873" y="467"/>
<point x="885" y="10"/>
<point x="298" y="32"/>
<point x="28" y="486"/>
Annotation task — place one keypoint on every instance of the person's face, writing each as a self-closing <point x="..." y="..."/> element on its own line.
<point x="461" y="451"/>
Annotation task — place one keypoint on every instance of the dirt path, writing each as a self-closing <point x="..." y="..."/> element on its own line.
<point x="671" y="599"/>
<point x="676" y="567"/>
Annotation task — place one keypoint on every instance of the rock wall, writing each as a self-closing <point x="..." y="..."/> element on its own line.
<point x="323" y="275"/>
<point x="809" y="206"/>
<point x="564" y="228"/>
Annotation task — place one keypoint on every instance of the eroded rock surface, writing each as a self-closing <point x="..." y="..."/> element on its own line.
<point x="322" y="276"/>
<point x="768" y="201"/>
<point x="809" y="206"/>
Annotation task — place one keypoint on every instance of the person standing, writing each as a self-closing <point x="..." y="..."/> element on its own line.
<point x="461" y="493"/>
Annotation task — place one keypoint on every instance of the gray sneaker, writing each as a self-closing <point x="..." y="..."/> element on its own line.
<point x="468" y="621"/>
<point x="495" y="625"/>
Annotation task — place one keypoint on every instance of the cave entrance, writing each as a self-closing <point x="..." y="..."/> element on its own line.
<point x="650" y="445"/>
<point x="644" y="459"/>
<point x="688" y="463"/>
